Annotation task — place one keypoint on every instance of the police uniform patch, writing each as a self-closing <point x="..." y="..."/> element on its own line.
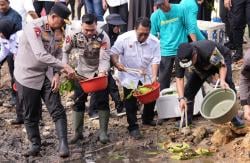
<point x="104" y="45"/>
<point x="37" y="31"/>
<point x="68" y="40"/>
<point x="47" y="27"/>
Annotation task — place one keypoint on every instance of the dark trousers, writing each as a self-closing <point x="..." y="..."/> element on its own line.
<point x="195" y="82"/>
<point x="10" y="62"/>
<point x="123" y="12"/>
<point x="165" y="71"/>
<point x="95" y="7"/>
<point x="240" y="16"/>
<point x="79" y="8"/>
<point x="112" y="90"/>
<point x="39" y="5"/>
<point x="72" y="6"/>
<point x="204" y="10"/>
<point x="102" y="99"/>
<point x="131" y="110"/>
<point x="227" y="19"/>
<point x="30" y="100"/>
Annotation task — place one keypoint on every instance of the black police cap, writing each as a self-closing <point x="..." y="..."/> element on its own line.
<point x="62" y="11"/>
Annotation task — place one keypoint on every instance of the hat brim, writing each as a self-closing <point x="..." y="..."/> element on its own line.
<point x="117" y="22"/>
<point x="186" y="64"/>
<point x="67" y="21"/>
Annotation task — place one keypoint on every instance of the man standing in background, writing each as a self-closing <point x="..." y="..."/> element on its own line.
<point x="24" y="8"/>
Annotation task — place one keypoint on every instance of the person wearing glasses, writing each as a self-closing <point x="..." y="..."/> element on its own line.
<point x="137" y="49"/>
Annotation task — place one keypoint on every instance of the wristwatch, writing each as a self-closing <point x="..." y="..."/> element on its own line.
<point x="181" y="98"/>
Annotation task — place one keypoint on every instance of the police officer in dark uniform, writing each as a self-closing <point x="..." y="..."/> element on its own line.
<point x="204" y="58"/>
<point x="90" y="47"/>
<point x="240" y="13"/>
<point x="39" y="52"/>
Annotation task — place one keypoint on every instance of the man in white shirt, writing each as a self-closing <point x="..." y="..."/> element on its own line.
<point x="118" y="7"/>
<point x="24" y="7"/>
<point x="137" y="49"/>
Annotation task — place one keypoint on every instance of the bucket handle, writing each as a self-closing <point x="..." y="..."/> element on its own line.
<point x="183" y="114"/>
<point x="217" y="83"/>
<point x="137" y="71"/>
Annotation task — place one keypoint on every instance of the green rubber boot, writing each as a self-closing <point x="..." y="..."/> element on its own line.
<point x="103" y="121"/>
<point x="77" y="126"/>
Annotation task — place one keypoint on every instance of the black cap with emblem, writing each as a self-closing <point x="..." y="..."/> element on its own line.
<point x="185" y="54"/>
<point x="62" y="11"/>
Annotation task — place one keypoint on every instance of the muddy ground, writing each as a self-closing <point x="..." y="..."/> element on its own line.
<point x="226" y="143"/>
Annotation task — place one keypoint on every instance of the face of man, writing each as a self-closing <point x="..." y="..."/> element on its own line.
<point x="89" y="30"/>
<point x="4" y="6"/>
<point x="117" y="29"/>
<point x="56" y="22"/>
<point x="1" y="35"/>
<point x="142" y="33"/>
<point x="165" y="7"/>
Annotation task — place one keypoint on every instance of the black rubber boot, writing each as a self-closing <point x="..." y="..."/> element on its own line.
<point x="61" y="128"/>
<point x="103" y="120"/>
<point x="35" y="139"/>
<point x="77" y="118"/>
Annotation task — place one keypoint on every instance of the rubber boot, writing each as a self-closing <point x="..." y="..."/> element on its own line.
<point x="77" y="126"/>
<point x="61" y="129"/>
<point x="103" y="121"/>
<point x="35" y="139"/>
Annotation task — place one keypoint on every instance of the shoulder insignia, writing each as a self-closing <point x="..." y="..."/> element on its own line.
<point x="47" y="27"/>
<point x="68" y="39"/>
<point x="104" y="45"/>
<point x="37" y="31"/>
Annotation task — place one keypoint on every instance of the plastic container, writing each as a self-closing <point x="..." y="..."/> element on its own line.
<point x="95" y="84"/>
<point x="150" y="96"/>
<point x="214" y="31"/>
<point x="219" y="106"/>
<point x="167" y="106"/>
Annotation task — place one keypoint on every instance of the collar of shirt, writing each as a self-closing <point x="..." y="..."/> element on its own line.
<point x="134" y="39"/>
<point x="5" y="13"/>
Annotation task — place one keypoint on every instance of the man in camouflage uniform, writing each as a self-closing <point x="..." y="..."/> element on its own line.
<point x="93" y="60"/>
<point x="38" y="53"/>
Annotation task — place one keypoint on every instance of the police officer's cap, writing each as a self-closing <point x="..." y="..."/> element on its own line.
<point x="89" y="18"/>
<point x="185" y="54"/>
<point x="115" y="19"/>
<point x="158" y="2"/>
<point x="62" y="11"/>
